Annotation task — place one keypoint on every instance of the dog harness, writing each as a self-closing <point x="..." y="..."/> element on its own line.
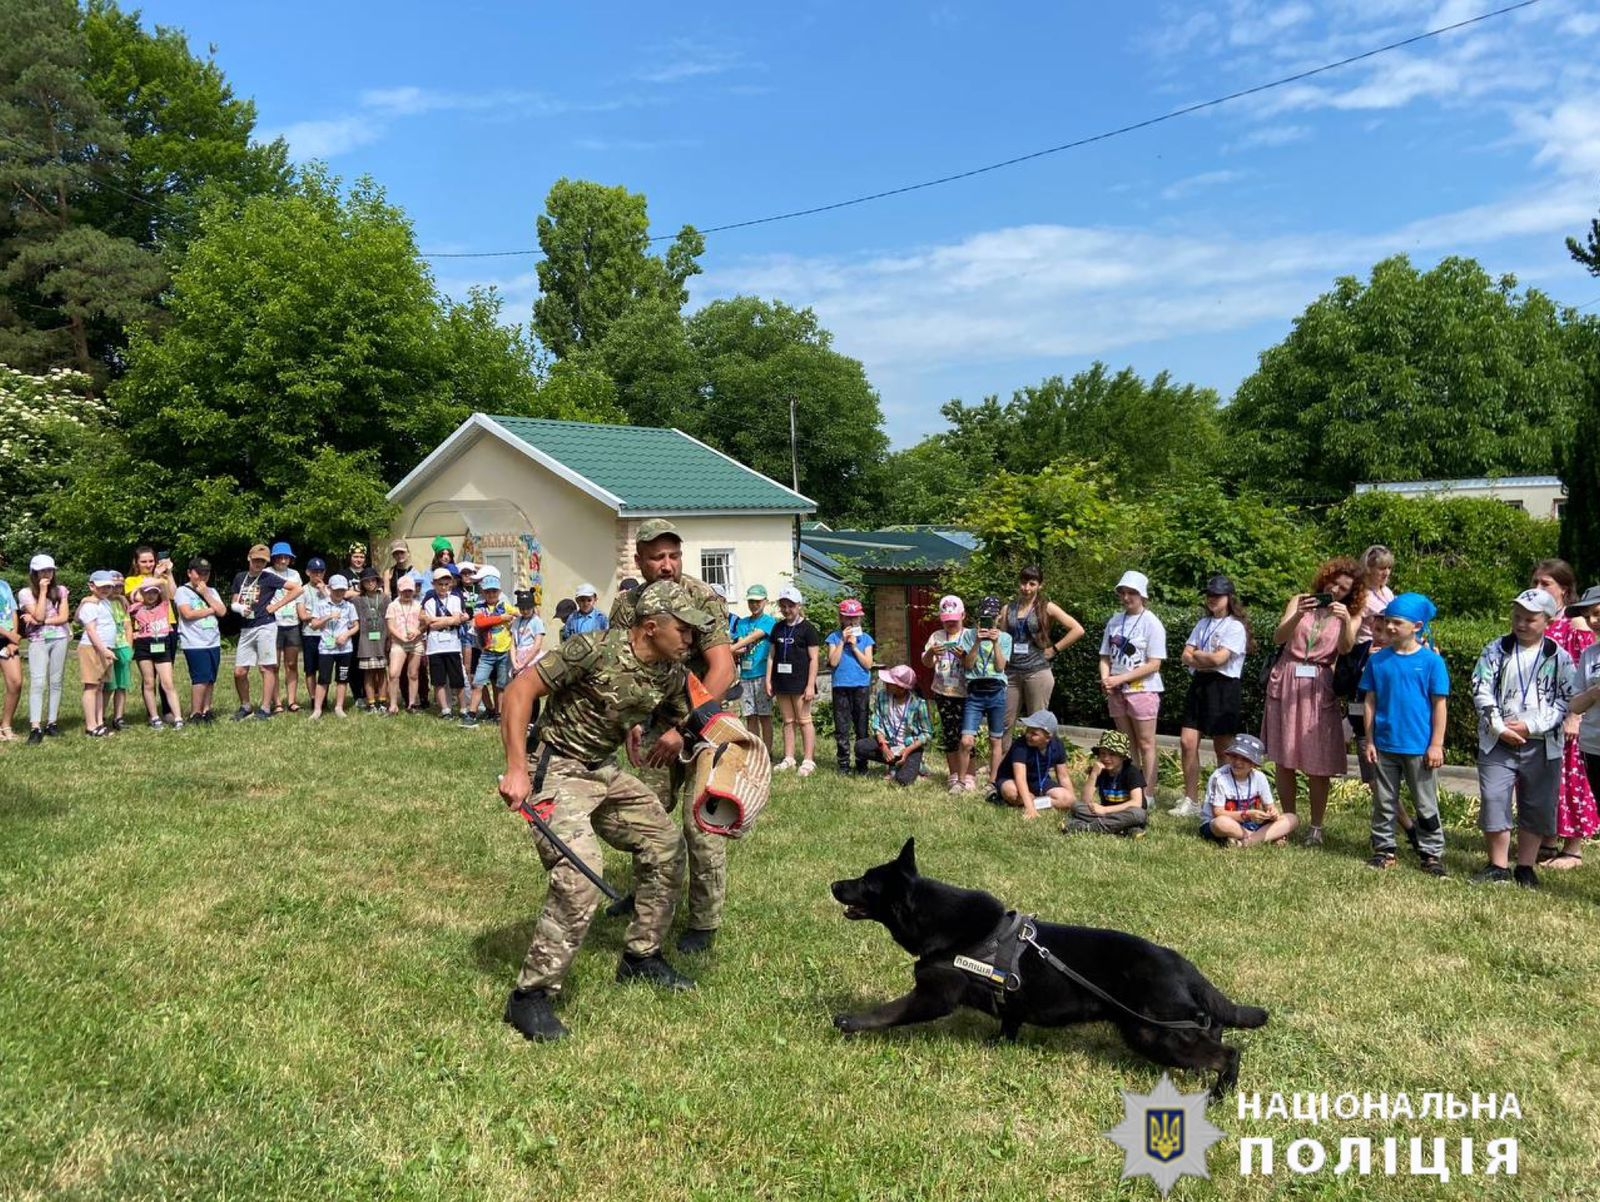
<point x="998" y="962"/>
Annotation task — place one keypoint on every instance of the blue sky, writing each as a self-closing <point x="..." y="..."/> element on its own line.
<point x="1188" y="247"/>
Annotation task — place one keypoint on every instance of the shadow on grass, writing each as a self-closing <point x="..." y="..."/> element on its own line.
<point x="500" y="951"/>
<point x="19" y="802"/>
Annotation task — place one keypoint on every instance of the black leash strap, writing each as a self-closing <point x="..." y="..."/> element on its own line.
<point x="1030" y="935"/>
<point x="531" y="813"/>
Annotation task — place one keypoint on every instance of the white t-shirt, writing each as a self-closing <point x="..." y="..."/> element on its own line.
<point x="1132" y="640"/>
<point x="1519" y="687"/>
<point x="287" y="615"/>
<point x="202" y="633"/>
<point x="448" y="639"/>
<point x="1227" y="794"/>
<point x="1586" y="675"/>
<point x="1215" y="634"/>
<point x="99" y="614"/>
<point x="524" y="633"/>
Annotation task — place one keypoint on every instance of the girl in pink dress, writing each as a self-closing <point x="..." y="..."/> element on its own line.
<point x="1304" y="725"/>
<point x="1577" y="818"/>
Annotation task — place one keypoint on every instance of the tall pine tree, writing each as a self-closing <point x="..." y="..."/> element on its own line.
<point x="1580" y="466"/>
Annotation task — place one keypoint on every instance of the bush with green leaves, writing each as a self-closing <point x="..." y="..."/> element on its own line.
<point x="43" y="420"/>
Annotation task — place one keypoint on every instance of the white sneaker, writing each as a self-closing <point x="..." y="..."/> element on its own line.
<point x="807" y="768"/>
<point x="784" y="765"/>
<point x="1187" y="808"/>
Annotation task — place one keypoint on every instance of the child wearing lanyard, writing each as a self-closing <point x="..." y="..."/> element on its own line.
<point x="1522" y="688"/>
<point x="900" y="727"/>
<point x="1034" y="775"/>
<point x="1238" y="810"/>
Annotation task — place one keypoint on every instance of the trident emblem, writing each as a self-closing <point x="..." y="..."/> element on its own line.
<point x="1164" y="1134"/>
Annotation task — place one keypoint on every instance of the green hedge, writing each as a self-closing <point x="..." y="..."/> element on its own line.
<point x="1079" y="701"/>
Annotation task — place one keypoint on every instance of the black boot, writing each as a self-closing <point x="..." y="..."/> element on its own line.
<point x="694" y="941"/>
<point x="653" y="970"/>
<point x="623" y="907"/>
<point x="528" y="1010"/>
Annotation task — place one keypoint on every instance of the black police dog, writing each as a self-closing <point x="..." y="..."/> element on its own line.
<point x="937" y="922"/>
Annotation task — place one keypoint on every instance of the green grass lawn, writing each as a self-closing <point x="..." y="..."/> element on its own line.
<point x="269" y="961"/>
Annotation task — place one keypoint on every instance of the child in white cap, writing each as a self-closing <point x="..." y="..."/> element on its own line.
<point x="336" y="624"/>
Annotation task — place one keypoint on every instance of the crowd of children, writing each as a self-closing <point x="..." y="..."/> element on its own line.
<point x="382" y="640"/>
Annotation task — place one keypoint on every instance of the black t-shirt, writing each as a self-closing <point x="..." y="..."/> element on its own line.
<point x="791" y="660"/>
<point x="256" y="591"/>
<point x="1115" y="787"/>
<point x="1040" y="763"/>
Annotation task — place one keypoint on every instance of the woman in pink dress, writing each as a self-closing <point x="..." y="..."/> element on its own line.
<point x="1304" y="725"/>
<point x="1577" y="818"/>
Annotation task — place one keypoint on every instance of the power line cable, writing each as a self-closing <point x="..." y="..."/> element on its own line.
<point x="1106" y="135"/>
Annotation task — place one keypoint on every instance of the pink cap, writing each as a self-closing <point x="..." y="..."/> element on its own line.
<point x="851" y="608"/>
<point x="952" y="607"/>
<point x="901" y="676"/>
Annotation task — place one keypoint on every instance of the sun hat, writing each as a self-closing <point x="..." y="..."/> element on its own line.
<point x="358" y="548"/>
<point x="489" y="580"/>
<point x="901" y="676"/>
<point x="338" y="581"/>
<point x="1585" y="603"/>
<point x="399" y="544"/>
<point x="102" y="579"/>
<point x="790" y="593"/>
<point x="407" y="583"/>
<point x="150" y="585"/>
<point x="586" y="590"/>
<point x="442" y="544"/>
<point x="1537" y="601"/>
<point x="443" y="573"/>
<point x="656" y="528"/>
<point x="41" y="563"/>
<point x="465" y="566"/>
<point x="1247" y="747"/>
<point x="316" y="564"/>
<point x="1137" y="581"/>
<point x="851" y="608"/>
<point x="756" y="592"/>
<point x="1115" y="742"/>
<point x="952" y="607"/>
<point x="1217" y="586"/>
<point x="1042" y="720"/>
<point x="282" y="549"/>
<point x="259" y="551"/>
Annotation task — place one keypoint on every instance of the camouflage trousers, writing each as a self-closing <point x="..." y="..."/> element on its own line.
<point x="708" y="854"/>
<point x="606" y="803"/>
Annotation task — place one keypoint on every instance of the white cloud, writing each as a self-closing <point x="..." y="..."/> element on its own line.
<point x="1194" y="183"/>
<point x="683" y="59"/>
<point x="1568" y="136"/>
<point x="326" y="139"/>
<point x="1270" y="136"/>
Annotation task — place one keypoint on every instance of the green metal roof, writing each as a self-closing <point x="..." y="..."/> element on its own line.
<point x="654" y="470"/>
<point x="888" y="549"/>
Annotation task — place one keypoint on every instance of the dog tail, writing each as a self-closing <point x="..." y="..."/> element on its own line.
<point x="1229" y="1014"/>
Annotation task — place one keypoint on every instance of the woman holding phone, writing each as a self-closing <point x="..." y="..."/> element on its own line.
<point x="1304" y="724"/>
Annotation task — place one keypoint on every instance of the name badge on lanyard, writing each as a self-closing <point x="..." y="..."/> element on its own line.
<point x="785" y="669"/>
<point x="1305" y="671"/>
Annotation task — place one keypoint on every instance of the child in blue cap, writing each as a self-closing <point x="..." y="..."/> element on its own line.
<point x="1407" y="687"/>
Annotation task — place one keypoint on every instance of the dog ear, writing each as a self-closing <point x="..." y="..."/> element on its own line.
<point x="907" y="862"/>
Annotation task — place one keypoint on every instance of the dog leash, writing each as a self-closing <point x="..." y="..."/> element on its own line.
<point x="1030" y="936"/>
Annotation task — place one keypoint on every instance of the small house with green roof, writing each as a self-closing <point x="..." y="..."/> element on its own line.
<point x="554" y="504"/>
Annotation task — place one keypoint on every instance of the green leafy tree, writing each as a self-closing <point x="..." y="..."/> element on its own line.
<point x="67" y="286"/>
<point x="1411" y="376"/>
<point x="597" y="264"/>
<point x="44" y="421"/>
<point x="754" y="356"/>
<point x="924" y="484"/>
<point x="1580" y="456"/>
<point x="657" y="373"/>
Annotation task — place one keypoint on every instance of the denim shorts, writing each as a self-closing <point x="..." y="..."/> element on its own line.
<point x="985" y="705"/>
<point x="495" y="666"/>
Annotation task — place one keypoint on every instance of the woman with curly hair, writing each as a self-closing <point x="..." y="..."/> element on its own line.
<point x="1304" y="724"/>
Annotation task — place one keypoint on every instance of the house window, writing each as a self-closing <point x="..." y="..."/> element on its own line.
<point x="716" y="567"/>
<point x="1514" y="505"/>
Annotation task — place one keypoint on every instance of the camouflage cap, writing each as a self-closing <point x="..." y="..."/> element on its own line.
<point x="671" y="598"/>
<point x="656" y="528"/>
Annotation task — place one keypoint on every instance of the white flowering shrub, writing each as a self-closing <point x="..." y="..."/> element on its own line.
<point x="42" y="420"/>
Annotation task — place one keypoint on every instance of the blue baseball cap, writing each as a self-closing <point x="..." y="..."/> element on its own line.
<point x="315" y="564"/>
<point x="282" y="549"/>
<point x="102" y="579"/>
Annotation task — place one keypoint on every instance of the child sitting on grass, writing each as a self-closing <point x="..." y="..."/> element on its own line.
<point x="1034" y="774"/>
<point x="1118" y="783"/>
<point x="1238" y="810"/>
<point x="1407" y="690"/>
<point x="899" y="728"/>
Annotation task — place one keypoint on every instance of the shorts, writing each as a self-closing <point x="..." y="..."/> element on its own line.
<point x="952" y="712"/>
<point x="445" y="670"/>
<point x="1521" y="778"/>
<point x="1215" y="704"/>
<point x="289" y="636"/>
<point x="258" y="648"/>
<point x="980" y="706"/>
<point x="1141" y="707"/>
<point x="1211" y="836"/>
<point x="145" y="650"/>
<point x="204" y="664"/>
<point x="122" y="670"/>
<point x="92" y="666"/>
<point x="493" y="667"/>
<point x="334" y="669"/>
<point x="753" y="699"/>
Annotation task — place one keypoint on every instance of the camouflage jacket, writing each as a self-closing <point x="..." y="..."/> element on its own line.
<point x="705" y="598"/>
<point x="599" y="691"/>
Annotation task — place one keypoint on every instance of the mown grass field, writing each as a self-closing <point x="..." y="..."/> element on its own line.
<point x="269" y="961"/>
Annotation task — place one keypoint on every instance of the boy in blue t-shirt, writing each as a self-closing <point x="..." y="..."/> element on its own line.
<point x="752" y="644"/>
<point x="1406" y="686"/>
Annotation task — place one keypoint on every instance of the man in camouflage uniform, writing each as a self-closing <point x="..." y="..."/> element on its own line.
<point x="658" y="551"/>
<point x="599" y="688"/>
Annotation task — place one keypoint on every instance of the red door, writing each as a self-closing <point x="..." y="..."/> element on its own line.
<point x="922" y="619"/>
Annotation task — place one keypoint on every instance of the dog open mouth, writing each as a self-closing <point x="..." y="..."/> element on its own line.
<point x="856" y="913"/>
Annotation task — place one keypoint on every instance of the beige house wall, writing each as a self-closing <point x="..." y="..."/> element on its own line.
<point x="582" y="539"/>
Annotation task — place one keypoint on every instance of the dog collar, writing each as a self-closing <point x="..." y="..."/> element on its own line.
<point x="997" y="958"/>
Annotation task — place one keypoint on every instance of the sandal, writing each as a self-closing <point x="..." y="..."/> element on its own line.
<point x="1548" y="852"/>
<point x="293" y="709"/>
<point x="1572" y="860"/>
<point x="1381" y="860"/>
